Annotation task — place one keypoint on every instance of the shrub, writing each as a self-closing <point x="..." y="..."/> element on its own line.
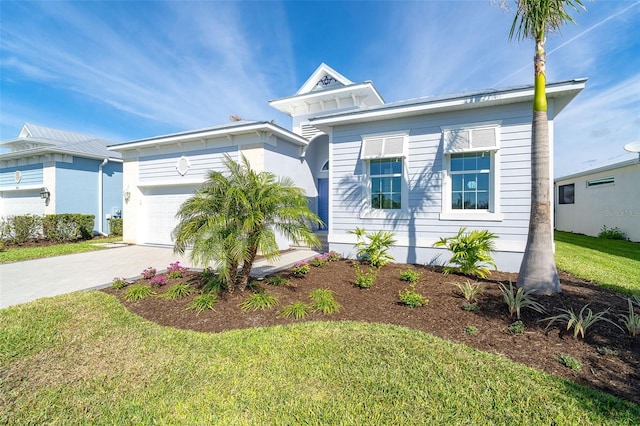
<point x="470" y="306"/>
<point x="410" y="297"/>
<point x="332" y="256"/>
<point x="376" y="250"/>
<point x="606" y="351"/>
<point x="24" y="228"/>
<point x="214" y="284"/>
<point x="118" y="283"/>
<point x="471" y="252"/>
<point x="259" y="300"/>
<point x="115" y="226"/>
<point x="158" y="281"/>
<point x="149" y="273"/>
<point x="318" y="261"/>
<point x="175" y="270"/>
<point x="300" y="269"/>
<point x="137" y="292"/>
<point x="66" y="227"/>
<point x="323" y="301"/>
<point x="470" y="291"/>
<point x="278" y="281"/>
<point x="365" y="279"/>
<point x="612" y="233"/>
<point x="631" y="320"/>
<point x="516" y="300"/>
<point x="517" y="327"/>
<point x="409" y="275"/>
<point x="178" y="291"/>
<point x="298" y="310"/>
<point x="471" y="330"/>
<point x="203" y="302"/>
<point x="569" y="361"/>
<point x="580" y="322"/>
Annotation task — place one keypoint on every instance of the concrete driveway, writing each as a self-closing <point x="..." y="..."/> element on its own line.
<point x="22" y="282"/>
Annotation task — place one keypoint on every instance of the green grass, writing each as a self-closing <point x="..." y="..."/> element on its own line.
<point x="610" y="263"/>
<point x="16" y="254"/>
<point x="83" y="358"/>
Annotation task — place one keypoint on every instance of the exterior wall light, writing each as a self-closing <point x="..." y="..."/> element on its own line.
<point x="44" y="193"/>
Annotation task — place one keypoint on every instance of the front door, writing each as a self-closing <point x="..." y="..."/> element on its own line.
<point x="323" y="202"/>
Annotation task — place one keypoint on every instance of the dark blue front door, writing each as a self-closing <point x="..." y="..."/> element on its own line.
<point x="323" y="202"/>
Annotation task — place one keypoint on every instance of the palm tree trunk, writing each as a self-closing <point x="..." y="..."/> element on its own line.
<point x="538" y="271"/>
<point x="245" y="272"/>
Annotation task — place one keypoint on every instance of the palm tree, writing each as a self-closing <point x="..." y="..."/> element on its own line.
<point x="534" y="19"/>
<point x="236" y="214"/>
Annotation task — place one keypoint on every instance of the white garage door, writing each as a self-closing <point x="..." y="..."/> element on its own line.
<point x="14" y="203"/>
<point x="159" y="208"/>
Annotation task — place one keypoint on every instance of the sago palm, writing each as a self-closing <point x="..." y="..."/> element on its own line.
<point x="534" y="19"/>
<point x="237" y="213"/>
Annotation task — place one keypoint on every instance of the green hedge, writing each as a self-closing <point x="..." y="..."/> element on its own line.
<point x="115" y="227"/>
<point x="55" y="227"/>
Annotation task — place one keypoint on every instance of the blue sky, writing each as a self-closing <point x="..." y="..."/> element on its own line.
<point x="127" y="70"/>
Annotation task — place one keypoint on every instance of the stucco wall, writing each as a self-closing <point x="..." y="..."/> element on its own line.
<point x="614" y="205"/>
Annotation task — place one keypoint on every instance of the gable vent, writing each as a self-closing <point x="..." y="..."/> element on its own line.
<point x="309" y="132"/>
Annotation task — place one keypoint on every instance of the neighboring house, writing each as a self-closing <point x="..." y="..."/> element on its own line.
<point x="51" y="171"/>
<point x="608" y="195"/>
<point x="420" y="169"/>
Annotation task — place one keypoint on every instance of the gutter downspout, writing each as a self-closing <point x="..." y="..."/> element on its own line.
<point x="100" y="191"/>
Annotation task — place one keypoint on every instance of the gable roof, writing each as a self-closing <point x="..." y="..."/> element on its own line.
<point x="36" y="140"/>
<point x="617" y="162"/>
<point x="324" y="77"/>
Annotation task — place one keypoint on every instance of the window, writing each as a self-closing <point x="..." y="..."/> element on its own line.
<point x="385" y="176"/>
<point x="325" y="166"/>
<point x="471" y="172"/>
<point x="470" y="177"/>
<point x="566" y="194"/>
<point x="384" y="163"/>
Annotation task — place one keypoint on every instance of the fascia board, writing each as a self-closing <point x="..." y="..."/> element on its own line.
<point x="598" y="170"/>
<point x="227" y="131"/>
<point x="571" y="89"/>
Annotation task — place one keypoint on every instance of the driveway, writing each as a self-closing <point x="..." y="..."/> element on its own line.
<point x="22" y="282"/>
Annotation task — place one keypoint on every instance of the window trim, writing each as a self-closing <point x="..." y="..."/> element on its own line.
<point x="493" y="213"/>
<point x="367" y="211"/>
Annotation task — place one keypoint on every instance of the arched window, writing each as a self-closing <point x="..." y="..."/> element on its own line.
<point x="325" y="166"/>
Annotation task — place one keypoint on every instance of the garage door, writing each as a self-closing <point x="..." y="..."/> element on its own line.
<point x="14" y="203"/>
<point x="159" y="208"/>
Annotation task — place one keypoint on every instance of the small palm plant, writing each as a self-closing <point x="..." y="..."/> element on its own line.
<point x="580" y="322"/>
<point x="471" y="252"/>
<point x="376" y="250"/>
<point x="516" y="300"/>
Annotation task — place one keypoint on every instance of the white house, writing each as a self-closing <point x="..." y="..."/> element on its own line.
<point x="421" y="168"/>
<point x="49" y="171"/>
<point x="608" y="195"/>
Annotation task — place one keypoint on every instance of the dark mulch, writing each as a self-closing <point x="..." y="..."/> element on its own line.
<point x="617" y="374"/>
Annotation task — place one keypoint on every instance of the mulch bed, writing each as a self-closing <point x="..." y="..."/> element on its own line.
<point x="617" y="374"/>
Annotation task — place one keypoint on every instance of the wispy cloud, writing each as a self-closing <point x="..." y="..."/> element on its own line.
<point x="183" y="66"/>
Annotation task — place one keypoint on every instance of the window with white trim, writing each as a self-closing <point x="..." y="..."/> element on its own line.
<point x="470" y="175"/>
<point x="385" y="176"/>
<point x="384" y="158"/>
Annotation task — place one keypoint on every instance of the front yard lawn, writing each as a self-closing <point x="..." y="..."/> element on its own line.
<point x="611" y="263"/>
<point x="16" y="253"/>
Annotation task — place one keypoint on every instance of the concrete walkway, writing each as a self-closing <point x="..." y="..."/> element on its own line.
<point x="22" y="282"/>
